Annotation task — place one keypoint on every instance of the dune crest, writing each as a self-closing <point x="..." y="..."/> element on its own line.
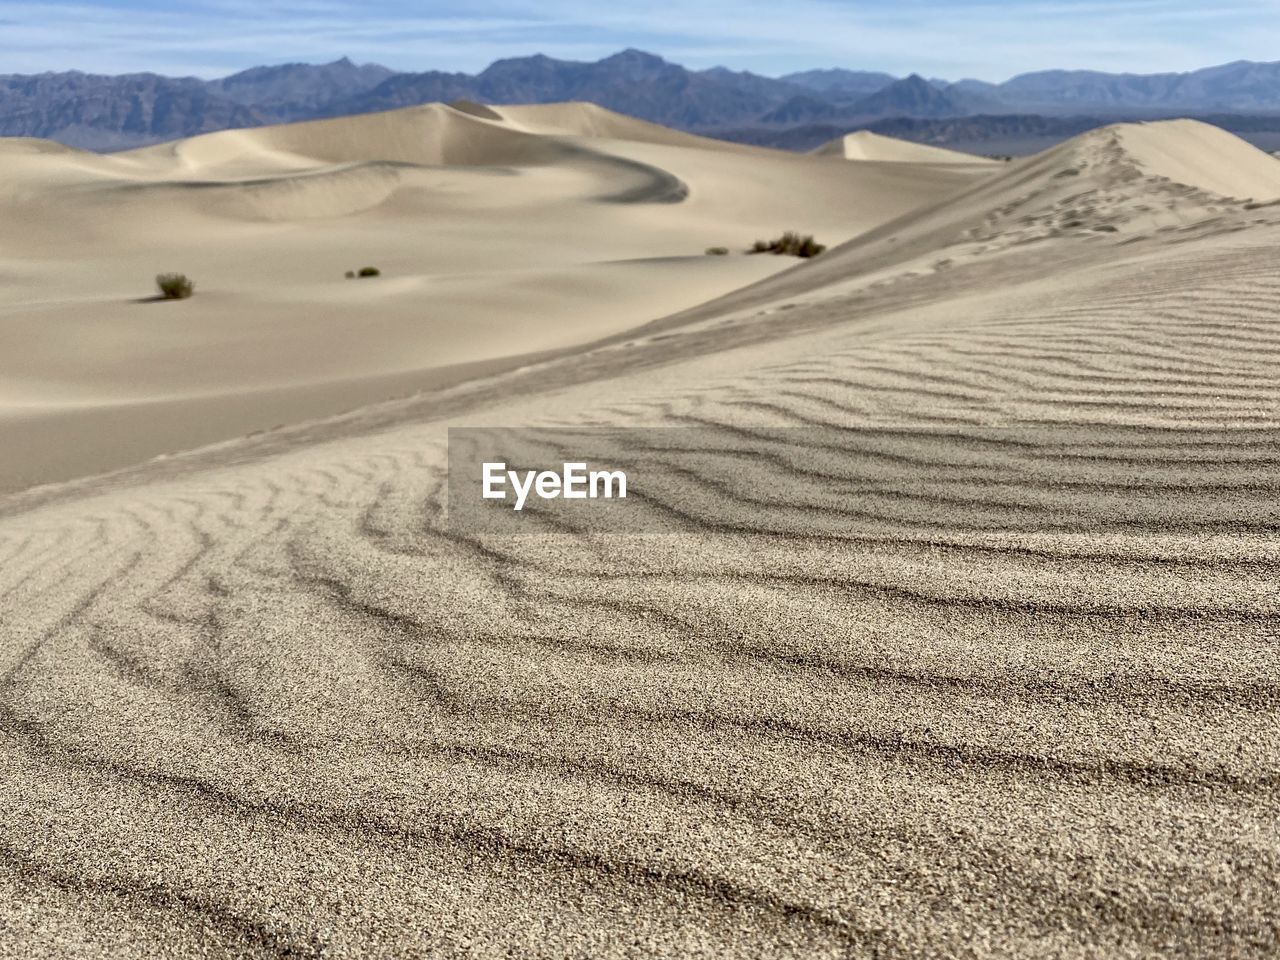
<point x="1110" y="186"/>
<point x="1203" y="156"/>
<point x="865" y="145"/>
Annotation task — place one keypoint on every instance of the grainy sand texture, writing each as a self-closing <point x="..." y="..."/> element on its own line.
<point x="994" y="674"/>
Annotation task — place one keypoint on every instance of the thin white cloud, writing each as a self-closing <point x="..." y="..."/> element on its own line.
<point x="987" y="39"/>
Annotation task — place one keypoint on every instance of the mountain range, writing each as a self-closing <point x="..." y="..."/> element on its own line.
<point x="114" y="112"/>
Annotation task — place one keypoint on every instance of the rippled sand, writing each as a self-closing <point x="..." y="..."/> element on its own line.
<point x="262" y="699"/>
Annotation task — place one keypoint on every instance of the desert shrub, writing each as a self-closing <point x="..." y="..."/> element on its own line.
<point x="175" y="286"/>
<point x="369" y="272"/>
<point x="717" y="251"/>
<point x="790" y="244"/>
<point x="810" y="247"/>
<point x="351" y="274"/>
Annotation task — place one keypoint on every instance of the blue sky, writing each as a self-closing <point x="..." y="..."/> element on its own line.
<point x="991" y="40"/>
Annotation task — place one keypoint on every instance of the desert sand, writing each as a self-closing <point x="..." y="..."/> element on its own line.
<point x="999" y="679"/>
<point x="499" y="233"/>
<point x="865" y="145"/>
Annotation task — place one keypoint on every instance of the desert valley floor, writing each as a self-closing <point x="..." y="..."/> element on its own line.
<point x="1015" y="697"/>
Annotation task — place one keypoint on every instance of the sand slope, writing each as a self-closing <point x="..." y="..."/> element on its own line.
<point x="1114" y="185"/>
<point x="979" y="661"/>
<point x="1199" y="155"/>
<point x="865" y="145"/>
<point x="499" y="234"/>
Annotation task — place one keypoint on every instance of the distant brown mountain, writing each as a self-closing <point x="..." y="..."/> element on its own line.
<point x="298" y="90"/>
<point x="632" y="82"/>
<point x="913" y="96"/>
<point x="102" y="112"/>
<point x="112" y="112"/>
<point x="109" y="112"/>
<point x="838" y="82"/>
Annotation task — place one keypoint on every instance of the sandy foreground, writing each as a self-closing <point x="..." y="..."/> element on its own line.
<point x="995" y="676"/>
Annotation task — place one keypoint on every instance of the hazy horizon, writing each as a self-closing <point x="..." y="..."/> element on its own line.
<point x="362" y="62"/>
<point x="992" y="40"/>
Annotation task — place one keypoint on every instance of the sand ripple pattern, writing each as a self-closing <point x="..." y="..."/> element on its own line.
<point x="1023" y="706"/>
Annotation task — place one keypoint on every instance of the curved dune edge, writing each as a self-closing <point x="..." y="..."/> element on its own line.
<point x="1202" y="156"/>
<point x="498" y="233"/>
<point x="1111" y="185"/>
<point x="865" y="145"/>
<point x="994" y="675"/>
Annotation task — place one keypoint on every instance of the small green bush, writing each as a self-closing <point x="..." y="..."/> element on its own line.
<point x="717" y="251"/>
<point x="175" y="286"/>
<point x="369" y="272"/>
<point x="790" y="244"/>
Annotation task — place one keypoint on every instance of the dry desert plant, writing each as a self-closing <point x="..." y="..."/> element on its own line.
<point x="791" y="244"/>
<point x="175" y="286"/>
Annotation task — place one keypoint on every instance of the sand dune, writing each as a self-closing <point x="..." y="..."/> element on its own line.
<point x="1111" y="185"/>
<point x="435" y="134"/>
<point x="865" y="145"/>
<point x="461" y="212"/>
<point x="1196" y="154"/>
<point x="974" y="655"/>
